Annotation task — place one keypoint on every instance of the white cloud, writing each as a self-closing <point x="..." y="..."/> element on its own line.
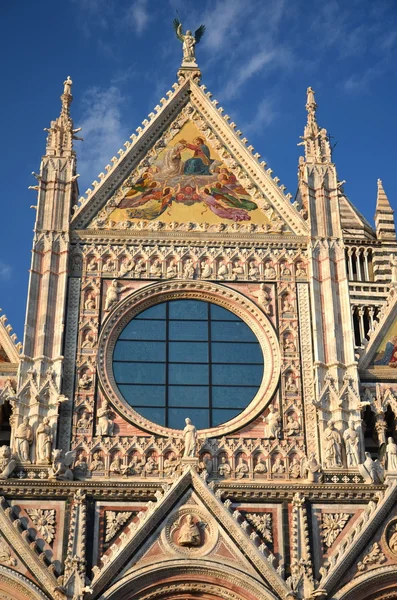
<point x="103" y="132"/>
<point x="220" y="22"/>
<point x="137" y="15"/>
<point x="265" y="114"/>
<point x="246" y="71"/>
<point x="5" y="271"/>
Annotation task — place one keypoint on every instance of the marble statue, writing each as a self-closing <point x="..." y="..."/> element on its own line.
<point x="292" y="426"/>
<point x="85" y="381"/>
<point x="7" y="462"/>
<point x="269" y="271"/>
<point x="206" y="270"/>
<point x="272" y="423"/>
<point x="260" y="466"/>
<point x="311" y="469"/>
<point x="105" y="422"/>
<point x="85" y="420"/>
<point x="224" y="468"/>
<point x="352" y="445"/>
<point x="263" y="298"/>
<point x="115" y="465"/>
<point x="155" y="268"/>
<point x="241" y="469"/>
<point x="223" y="271"/>
<point x="371" y="470"/>
<point x="189" y="41"/>
<point x="61" y="468"/>
<point x="391" y="455"/>
<point x="188" y="271"/>
<point x="171" y="464"/>
<point x="44" y="442"/>
<point x="112" y="293"/>
<point x="97" y="463"/>
<point x="189" y="533"/>
<point x="190" y="435"/>
<point x="332" y="446"/>
<point x="24" y="439"/>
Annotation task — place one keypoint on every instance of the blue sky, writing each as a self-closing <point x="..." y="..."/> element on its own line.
<point x="257" y="57"/>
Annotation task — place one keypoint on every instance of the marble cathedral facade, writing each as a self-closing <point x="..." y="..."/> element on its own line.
<point x="205" y="402"/>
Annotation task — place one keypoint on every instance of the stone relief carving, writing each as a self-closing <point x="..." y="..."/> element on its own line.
<point x="262" y="523"/>
<point x="390" y="537"/>
<point x="190" y="532"/>
<point x="115" y="521"/>
<point x="44" y="521"/>
<point x="6" y="557"/>
<point x="332" y="525"/>
<point x="374" y="557"/>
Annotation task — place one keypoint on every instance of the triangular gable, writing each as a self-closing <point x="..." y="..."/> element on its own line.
<point x="119" y="556"/>
<point x="8" y="350"/>
<point x="189" y="113"/>
<point x="379" y="351"/>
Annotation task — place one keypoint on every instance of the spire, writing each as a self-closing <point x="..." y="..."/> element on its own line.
<point x="61" y="133"/>
<point x="384" y="220"/>
<point x="315" y="140"/>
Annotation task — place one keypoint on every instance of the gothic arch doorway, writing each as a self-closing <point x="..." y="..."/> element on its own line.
<point x="377" y="584"/>
<point x="14" y="586"/>
<point x="188" y="580"/>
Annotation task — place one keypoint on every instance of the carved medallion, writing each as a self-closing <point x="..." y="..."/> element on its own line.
<point x="190" y="532"/>
<point x="389" y="538"/>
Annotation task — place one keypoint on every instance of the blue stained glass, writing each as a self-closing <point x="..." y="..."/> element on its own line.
<point x="188" y="330"/>
<point x="139" y="351"/>
<point x="188" y="352"/>
<point x="144" y="330"/>
<point x="188" y="374"/>
<point x="154" y="312"/>
<point x="144" y="395"/>
<point x="221" y="416"/>
<point x="188" y="358"/>
<point x="156" y="415"/>
<point x="227" y="352"/>
<point x="221" y="314"/>
<point x="182" y="395"/>
<point x="237" y="374"/>
<point x="125" y="372"/>
<point x="191" y="310"/>
<point x="232" y="397"/>
<point x="231" y="332"/>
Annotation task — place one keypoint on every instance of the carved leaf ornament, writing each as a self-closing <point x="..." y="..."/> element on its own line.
<point x="44" y="521"/>
<point x="332" y="525"/>
<point x="262" y="524"/>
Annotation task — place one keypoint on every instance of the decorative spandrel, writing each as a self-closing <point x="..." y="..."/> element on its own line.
<point x="186" y="182"/>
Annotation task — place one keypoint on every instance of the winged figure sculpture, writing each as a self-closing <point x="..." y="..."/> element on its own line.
<point x="188" y="40"/>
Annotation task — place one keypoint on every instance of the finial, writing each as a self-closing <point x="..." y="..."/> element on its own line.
<point x="311" y="104"/>
<point x="189" y="42"/>
<point x="67" y="86"/>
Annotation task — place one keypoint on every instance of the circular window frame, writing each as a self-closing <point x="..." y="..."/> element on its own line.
<point x="228" y="298"/>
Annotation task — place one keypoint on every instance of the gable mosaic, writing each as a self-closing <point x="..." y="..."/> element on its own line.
<point x="206" y="401"/>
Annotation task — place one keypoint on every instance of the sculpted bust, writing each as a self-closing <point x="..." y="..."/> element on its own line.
<point x="189" y="533"/>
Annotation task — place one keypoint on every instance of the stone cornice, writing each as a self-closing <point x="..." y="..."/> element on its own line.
<point x="108" y="236"/>
<point x="144" y="489"/>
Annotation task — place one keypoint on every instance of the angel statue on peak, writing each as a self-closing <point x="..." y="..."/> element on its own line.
<point x="188" y="40"/>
